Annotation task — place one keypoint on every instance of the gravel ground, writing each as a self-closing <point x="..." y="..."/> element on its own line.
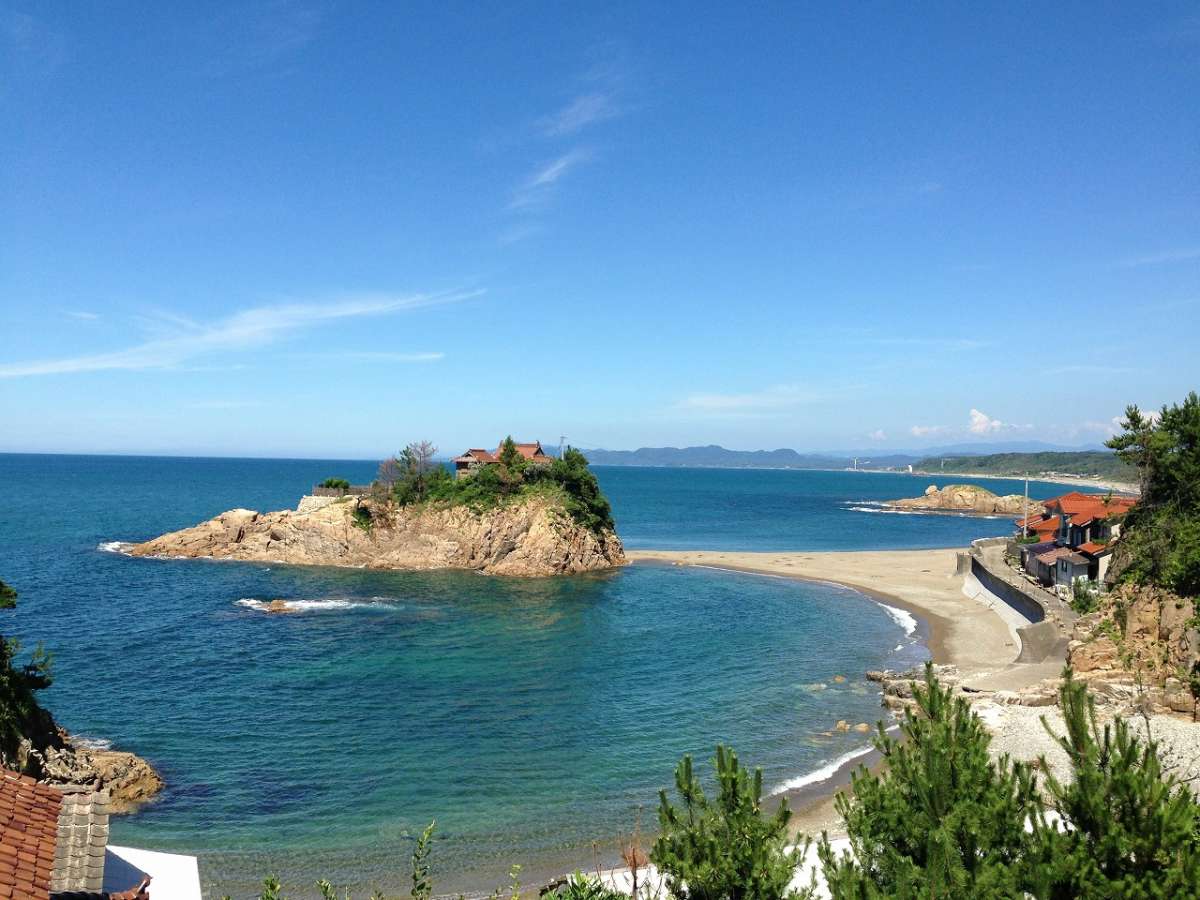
<point x="1018" y="731"/>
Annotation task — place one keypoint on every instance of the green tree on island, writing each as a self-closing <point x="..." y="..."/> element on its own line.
<point x="413" y="477"/>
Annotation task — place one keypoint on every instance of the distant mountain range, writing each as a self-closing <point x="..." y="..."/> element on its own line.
<point x="714" y="456"/>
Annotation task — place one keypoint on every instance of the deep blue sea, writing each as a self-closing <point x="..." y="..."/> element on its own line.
<point x="530" y="717"/>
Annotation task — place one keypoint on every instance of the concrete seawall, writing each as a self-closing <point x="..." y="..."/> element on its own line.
<point x="1049" y="619"/>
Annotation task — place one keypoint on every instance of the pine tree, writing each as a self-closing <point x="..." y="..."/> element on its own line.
<point x="943" y="819"/>
<point x="724" y="849"/>
<point x="512" y="463"/>
<point x="1132" y="829"/>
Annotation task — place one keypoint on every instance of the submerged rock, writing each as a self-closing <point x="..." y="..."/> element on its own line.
<point x="532" y="537"/>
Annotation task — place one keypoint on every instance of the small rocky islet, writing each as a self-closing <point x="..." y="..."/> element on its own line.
<point x="966" y="498"/>
<point x="533" y="536"/>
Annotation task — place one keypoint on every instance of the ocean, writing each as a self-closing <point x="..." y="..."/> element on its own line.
<point x="534" y="719"/>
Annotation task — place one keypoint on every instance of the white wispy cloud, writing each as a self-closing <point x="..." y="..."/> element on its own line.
<point x="1085" y="369"/>
<point x="1162" y="258"/>
<point x="939" y="343"/>
<point x="254" y="327"/>
<point x="584" y="110"/>
<point x="386" y="356"/>
<point x="923" y="430"/>
<point x="878" y="435"/>
<point x="259" y="35"/>
<point x="538" y="187"/>
<point x="773" y="398"/>
<point x="82" y="314"/>
<point x="982" y="423"/>
<point x="225" y="404"/>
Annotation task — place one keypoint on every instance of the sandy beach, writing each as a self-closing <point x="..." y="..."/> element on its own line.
<point x="963" y="631"/>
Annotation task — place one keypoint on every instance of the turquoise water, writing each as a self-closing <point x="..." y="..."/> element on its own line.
<point x="530" y="717"/>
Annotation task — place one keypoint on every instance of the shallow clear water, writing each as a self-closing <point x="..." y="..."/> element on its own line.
<point x="529" y="716"/>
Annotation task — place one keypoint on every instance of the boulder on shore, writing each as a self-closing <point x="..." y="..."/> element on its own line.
<point x="968" y="498"/>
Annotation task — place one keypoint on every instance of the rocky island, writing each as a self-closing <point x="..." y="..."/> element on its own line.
<point x="511" y="517"/>
<point x="966" y="498"/>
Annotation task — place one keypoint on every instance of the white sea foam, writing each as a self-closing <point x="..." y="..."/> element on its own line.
<point x="325" y="603"/>
<point x="824" y="773"/>
<point x="87" y="743"/>
<point x="741" y="572"/>
<point x="903" y="618"/>
<point x="877" y="509"/>
<point x="114" y="546"/>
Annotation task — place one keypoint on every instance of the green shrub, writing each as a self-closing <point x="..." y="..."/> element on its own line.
<point x="942" y="819"/>
<point x="8" y="597"/>
<point x="1133" y="827"/>
<point x="362" y="518"/>
<point x="724" y="849"/>
<point x="583" y="887"/>
<point x="411" y="479"/>
<point x="1084" y="596"/>
<point x="340" y="483"/>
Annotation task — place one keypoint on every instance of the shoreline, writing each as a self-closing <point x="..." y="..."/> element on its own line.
<point x="1117" y="487"/>
<point x="1120" y="487"/>
<point x="959" y="630"/>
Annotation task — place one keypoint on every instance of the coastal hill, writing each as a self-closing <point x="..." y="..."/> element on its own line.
<point x="713" y="456"/>
<point x="1101" y="464"/>
<point x="1007" y="459"/>
<point x="512" y="514"/>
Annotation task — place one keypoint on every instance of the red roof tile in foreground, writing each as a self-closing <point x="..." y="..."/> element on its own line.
<point x="1093" y="548"/>
<point x="28" y="835"/>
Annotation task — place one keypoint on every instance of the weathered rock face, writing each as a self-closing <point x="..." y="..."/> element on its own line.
<point x="1138" y="649"/>
<point x="968" y="498"/>
<point x="129" y="779"/>
<point x="533" y="537"/>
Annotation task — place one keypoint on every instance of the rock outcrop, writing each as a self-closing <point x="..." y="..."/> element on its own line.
<point x="1139" y="650"/>
<point x="967" y="498"/>
<point x="58" y="759"/>
<point x="534" y="536"/>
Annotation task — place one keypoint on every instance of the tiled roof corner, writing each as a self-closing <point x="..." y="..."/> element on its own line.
<point x="28" y="833"/>
<point x="82" y="837"/>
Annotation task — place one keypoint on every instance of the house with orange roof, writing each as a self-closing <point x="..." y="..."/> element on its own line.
<point x="475" y="458"/>
<point x="1073" y="535"/>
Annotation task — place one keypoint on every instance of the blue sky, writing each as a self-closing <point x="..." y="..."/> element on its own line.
<point x="325" y="229"/>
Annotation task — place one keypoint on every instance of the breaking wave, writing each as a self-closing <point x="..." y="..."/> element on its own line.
<point x="114" y="546"/>
<point x="824" y="773"/>
<point x="326" y="603"/>
<point x="903" y="618"/>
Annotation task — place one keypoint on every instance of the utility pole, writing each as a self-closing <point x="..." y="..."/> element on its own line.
<point x="1025" y="521"/>
<point x="562" y="442"/>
